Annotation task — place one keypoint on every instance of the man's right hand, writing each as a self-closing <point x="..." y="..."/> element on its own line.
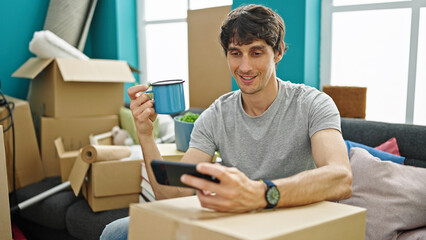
<point x="142" y="107"/>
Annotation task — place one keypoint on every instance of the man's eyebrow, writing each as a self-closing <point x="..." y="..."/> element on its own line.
<point x="258" y="47"/>
<point x="233" y="49"/>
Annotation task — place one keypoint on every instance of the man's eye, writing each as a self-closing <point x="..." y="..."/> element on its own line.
<point x="257" y="53"/>
<point x="234" y="53"/>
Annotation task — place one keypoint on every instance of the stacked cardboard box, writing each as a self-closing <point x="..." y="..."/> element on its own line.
<point x="72" y="99"/>
<point x="20" y="141"/>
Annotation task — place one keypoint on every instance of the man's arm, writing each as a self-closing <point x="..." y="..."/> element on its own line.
<point x="331" y="180"/>
<point x="144" y="115"/>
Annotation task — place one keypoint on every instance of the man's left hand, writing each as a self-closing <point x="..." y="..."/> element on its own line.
<point x="234" y="193"/>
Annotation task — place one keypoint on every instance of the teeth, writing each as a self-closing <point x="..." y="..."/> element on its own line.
<point x="247" y="78"/>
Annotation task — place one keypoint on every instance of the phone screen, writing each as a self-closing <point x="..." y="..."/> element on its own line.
<point x="169" y="173"/>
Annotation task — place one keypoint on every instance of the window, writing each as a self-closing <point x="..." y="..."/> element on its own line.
<point x="376" y="44"/>
<point x="163" y="38"/>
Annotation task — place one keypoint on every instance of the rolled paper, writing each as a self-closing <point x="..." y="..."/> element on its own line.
<point x="97" y="153"/>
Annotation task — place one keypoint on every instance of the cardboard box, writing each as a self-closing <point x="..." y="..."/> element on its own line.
<point x="98" y="204"/>
<point x="75" y="134"/>
<point x="113" y="184"/>
<point x="75" y="88"/>
<point x="5" y="225"/>
<point x="169" y="152"/>
<point x="184" y="218"/>
<point x="28" y="165"/>
<point x="206" y="55"/>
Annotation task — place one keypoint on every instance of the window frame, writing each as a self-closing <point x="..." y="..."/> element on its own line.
<point x="141" y="28"/>
<point x="327" y="10"/>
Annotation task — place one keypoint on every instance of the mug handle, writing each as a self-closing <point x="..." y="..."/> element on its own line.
<point x="147" y="91"/>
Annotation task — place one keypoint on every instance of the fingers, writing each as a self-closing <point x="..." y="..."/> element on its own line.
<point x="215" y="170"/>
<point x="215" y="201"/>
<point x="200" y="183"/>
<point x="144" y="111"/>
<point x="132" y="91"/>
<point x="227" y="177"/>
<point x="234" y="193"/>
<point x="142" y="108"/>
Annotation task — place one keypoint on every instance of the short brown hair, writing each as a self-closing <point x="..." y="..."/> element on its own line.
<point x="245" y="24"/>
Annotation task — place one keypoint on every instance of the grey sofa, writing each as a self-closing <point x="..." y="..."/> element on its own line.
<point x="411" y="138"/>
<point x="64" y="216"/>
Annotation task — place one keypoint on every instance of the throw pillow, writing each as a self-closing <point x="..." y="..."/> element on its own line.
<point x="390" y="146"/>
<point x="376" y="153"/>
<point x="393" y="194"/>
<point x="416" y="234"/>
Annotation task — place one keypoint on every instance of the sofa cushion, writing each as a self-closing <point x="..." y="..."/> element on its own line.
<point x="49" y="212"/>
<point x="393" y="194"/>
<point x="390" y="146"/>
<point x="83" y="223"/>
<point x="411" y="138"/>
<point x="376" y="153"/>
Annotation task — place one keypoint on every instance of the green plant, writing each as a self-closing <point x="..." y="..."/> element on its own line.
<point x="189" y="117"/>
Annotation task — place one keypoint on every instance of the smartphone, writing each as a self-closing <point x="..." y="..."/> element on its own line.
<point x="169" y="173"/>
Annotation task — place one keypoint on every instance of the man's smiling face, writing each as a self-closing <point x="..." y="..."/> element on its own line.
<point x="253" y="65"/>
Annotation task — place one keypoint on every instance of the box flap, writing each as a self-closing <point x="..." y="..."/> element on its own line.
<point x="78" y="173"/>
<point x="31" y="68"/>
<point x="135" y="70"/>
<point x="60" y="149"/>
<point x="95" y="70"/>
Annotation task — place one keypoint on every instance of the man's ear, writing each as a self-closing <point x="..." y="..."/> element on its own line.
<point x="280" y="54"/>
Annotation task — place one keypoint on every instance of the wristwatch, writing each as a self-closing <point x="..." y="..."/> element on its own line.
<point x="272" y="195"/>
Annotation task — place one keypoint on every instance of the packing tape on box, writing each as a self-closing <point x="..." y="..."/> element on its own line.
<point x="91" y="154"/>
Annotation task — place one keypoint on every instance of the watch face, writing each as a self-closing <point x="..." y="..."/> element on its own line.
<point x="273" y="195"/>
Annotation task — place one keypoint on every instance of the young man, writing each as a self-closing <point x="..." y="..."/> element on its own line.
<point x="280" y="142"/>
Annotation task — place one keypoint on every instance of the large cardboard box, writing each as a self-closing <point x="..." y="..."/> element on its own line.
<point x="75" y="134"/>
<point x="75" y="88"/>
<point x="5" y="225"/>
<point x="184" y="218"/>
<point x="28" y="165"/>
<point x="205" y="55"/>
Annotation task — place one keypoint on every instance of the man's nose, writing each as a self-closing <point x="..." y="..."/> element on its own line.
<point x="245" y="64"/>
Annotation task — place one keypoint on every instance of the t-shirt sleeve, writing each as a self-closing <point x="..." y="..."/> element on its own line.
<point x="323" y="114"/>
<point x="202" y="136"/>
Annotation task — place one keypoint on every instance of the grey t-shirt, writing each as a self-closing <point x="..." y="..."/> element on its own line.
<point x="273" y="145"/>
